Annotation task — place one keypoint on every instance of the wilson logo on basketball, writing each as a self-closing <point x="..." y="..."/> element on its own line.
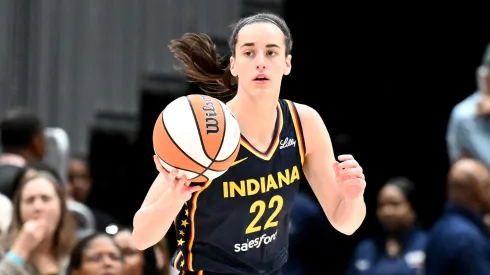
<point x="212" y="125"/>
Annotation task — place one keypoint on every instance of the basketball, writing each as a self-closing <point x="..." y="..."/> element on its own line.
<point x="198" y="135"/>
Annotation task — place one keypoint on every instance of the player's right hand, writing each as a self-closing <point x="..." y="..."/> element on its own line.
<point x="179" y="186"/>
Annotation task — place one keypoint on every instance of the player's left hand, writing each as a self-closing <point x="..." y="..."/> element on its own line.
<point x="350" y="177"/>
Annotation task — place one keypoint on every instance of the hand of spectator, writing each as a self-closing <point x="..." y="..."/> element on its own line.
<point x="31" y="234"/>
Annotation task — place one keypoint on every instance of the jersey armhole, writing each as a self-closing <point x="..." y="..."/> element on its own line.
<point x="298" y="129"/>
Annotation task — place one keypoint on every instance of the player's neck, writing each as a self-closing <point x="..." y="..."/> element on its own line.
<point x="256" y="118"/>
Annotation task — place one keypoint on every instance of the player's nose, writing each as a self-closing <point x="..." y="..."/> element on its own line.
<point x="260" y="62"/>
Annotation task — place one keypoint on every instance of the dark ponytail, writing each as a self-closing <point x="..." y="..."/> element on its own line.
<point x="203" y="65"/>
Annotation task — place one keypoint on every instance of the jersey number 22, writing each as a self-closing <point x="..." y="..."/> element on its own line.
<point x="259" y="207"/>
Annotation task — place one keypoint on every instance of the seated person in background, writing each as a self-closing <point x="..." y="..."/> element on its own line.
<point x="21" y="138"/>
<point x="163" y="255"/>
<point x="79" y="186"/>
<point x="468" y="132"/>
<point x="309" y="234"/>
<point x="459" y="241"/>
<point x="42" y="232"/>
<point x="400" y="248"/>
<point x="5" y="215"/>
<point x="21" y="141"/>
<point x="96" y="254"/>
<point x="137" y="262"/>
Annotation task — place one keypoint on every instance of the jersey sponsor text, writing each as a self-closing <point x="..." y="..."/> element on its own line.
<point x="287" y="142"/>
<point x="255" y="243"/>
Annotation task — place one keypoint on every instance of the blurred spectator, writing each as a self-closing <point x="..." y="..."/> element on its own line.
<point x="163" y="255"/>
<point x="459" y="241"/>
<point x="468" y="133"/>
<point x="80" y="181"/>
<point x="42" y="231"/>
<point x="137" y="262"/>
<point x="79" y="186"/>
<point x="21" y="141"/>
<point x="308" y="235"/>
<point x="5" y="214"/>
<point x="95" y="255"/>
<point x="22" y="138"/>
<point x="83" y="216"/>
<point x="400" y="248"/>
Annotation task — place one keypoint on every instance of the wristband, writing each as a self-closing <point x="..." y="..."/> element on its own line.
<point x="11" y="256"/>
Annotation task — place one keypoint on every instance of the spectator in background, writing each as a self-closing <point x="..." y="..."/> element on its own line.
<point x="79" y="187"/>
<point x="459" y="241"/>
<point x="5" y="214"/>
<point x="83" y="216"/>
<point x="96" y="254"/>
<point x="21" y="141"/>
<point x="308" y="237"/>
<point x="42" y="230"/>
<point x="137" y="262"/>
<point x="163" y="255"/>
<point x="468" y="133"/>
<point x="22" y="138"/>
<point x="400" y="248"/>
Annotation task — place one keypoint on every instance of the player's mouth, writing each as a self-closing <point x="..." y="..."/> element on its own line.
<point x="261" y="79"/>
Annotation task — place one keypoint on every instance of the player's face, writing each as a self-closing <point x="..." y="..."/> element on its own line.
<point x="260" y="58"/>
<point x="394" y="211"/>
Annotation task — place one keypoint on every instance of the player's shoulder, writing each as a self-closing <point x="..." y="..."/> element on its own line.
<point x="305" y="112"/>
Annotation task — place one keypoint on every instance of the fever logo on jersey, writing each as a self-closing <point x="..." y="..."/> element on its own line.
<point x="255" y="243"/>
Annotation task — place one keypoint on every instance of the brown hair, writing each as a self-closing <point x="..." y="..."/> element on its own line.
<point x="206" y="68"/>
<point x="64" y="235"/>
<point x="162" y="245"/>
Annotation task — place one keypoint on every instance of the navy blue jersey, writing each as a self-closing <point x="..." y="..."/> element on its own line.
<point x="238" y="222"/>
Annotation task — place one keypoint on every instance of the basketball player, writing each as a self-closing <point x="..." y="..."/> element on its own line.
<point x="238" y="223"/>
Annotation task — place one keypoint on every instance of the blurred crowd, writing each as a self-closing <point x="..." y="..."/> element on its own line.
<point x="458" y="242"/>
<point x="47" y="227"/>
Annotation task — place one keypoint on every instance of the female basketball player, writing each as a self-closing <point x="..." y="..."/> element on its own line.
<point x="238" y="223"/>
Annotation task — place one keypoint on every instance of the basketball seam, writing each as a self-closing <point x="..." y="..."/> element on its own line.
<point x="186" y="170"/>
<point x="222" y="141"/>
<point x="224" y="134"/>
<point x="180" y="149"/>
<point x="198" y="130"/>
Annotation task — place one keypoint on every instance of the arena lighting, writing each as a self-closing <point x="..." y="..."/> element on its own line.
<point x="112" y="229"/>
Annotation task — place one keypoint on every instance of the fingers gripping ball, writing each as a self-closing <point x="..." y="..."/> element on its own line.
<point x="198" y="135"/>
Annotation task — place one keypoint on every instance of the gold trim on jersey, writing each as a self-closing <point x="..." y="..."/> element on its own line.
<point x="192" y="224"/>
<point x="298" y="129"/>
<point x="272" y="149"/>
<point x="176" y="261"/>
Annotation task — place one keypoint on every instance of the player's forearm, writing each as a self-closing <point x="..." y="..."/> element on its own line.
<point x="149" y="230"/>
<point x="349" y="215"/>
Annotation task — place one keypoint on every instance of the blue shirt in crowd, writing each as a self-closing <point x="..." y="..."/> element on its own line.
<point x="458" y="244"/>
<point x="309" y="238"/>
<point x="370" y="257"/>
<point x="468" y="132"/>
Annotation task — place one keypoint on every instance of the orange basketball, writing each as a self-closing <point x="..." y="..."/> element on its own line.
<point x="198" y="135"/>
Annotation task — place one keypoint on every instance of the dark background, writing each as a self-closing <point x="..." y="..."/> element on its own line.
<point x="384" y="80"/>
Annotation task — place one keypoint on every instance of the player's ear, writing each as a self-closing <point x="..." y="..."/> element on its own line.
<point x="287" y="69"/>
<point x="232" y="66"/>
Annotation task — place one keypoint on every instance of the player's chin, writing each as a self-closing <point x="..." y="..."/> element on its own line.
<point x="261" y="89"/>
